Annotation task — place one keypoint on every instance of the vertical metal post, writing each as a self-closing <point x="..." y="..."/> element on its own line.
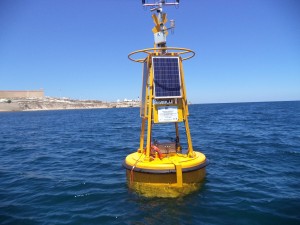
<point x="144" y="118"/>
<point x="177" y="140"/>
<point x="185" y="110"/>
<point x="142" y="135"/>
<point x="150" y="112"/>
<point x="147" y="88"/>
<point x="177" y="131"/>
<point x="177" y="136"/>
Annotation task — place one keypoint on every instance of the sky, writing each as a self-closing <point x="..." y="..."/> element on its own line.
<point x="246" y="50"/>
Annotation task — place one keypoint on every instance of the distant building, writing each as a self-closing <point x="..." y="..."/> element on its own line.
<point x="127" y="100"/>
<point x="23" y="94"/>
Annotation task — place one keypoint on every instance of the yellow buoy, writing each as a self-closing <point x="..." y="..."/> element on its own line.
<point x="160" y="168"/>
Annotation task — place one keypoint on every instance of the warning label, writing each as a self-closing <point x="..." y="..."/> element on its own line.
<point x="167" y="114"/>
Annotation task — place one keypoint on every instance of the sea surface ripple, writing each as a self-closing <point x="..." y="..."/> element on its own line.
<point x="65" y="167"/>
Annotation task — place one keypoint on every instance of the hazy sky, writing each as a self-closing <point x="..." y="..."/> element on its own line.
<point x="246" y="50"/>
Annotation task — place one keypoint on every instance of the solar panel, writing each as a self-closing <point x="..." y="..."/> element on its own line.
<point x="166" y="77"/>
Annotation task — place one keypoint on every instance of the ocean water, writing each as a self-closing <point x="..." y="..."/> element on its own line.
<point x="65" y="167"/>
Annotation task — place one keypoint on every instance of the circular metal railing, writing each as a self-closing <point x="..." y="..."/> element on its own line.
<point x="185" y="53"/>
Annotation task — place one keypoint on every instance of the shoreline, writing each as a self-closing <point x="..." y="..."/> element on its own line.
<point x="49" y="103"/>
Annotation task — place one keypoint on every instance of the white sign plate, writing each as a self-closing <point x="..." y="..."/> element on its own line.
<point x="167" y="114"/>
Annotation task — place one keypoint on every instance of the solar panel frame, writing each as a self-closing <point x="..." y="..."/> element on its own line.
<point x="167" y="77"/>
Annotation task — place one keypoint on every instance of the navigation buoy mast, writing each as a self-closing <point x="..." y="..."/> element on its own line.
<point x="160" y="169"/>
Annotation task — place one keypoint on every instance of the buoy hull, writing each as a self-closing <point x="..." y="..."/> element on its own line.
<point x="166" y="178"/>
<point x="160" y="178"/>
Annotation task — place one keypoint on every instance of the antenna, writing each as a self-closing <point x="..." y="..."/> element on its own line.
<point x="163" y="2"/>
<point x="160" y="30"/>
<point x="172" y="24"/>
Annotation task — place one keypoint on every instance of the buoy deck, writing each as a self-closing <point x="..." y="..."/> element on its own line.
<point x="165" y="165"/>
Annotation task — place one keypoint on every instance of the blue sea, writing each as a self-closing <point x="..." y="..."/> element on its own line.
<point x="65" y="167"/>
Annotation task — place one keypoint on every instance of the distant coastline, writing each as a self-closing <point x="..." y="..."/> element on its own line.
<point x="51" y="103"/>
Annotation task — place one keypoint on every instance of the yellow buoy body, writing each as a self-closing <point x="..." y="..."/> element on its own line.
<point x="158" y="168"/>
<point x="172" y="176"/>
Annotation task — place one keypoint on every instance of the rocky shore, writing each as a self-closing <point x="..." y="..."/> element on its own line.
<point x="49" y="103"/>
